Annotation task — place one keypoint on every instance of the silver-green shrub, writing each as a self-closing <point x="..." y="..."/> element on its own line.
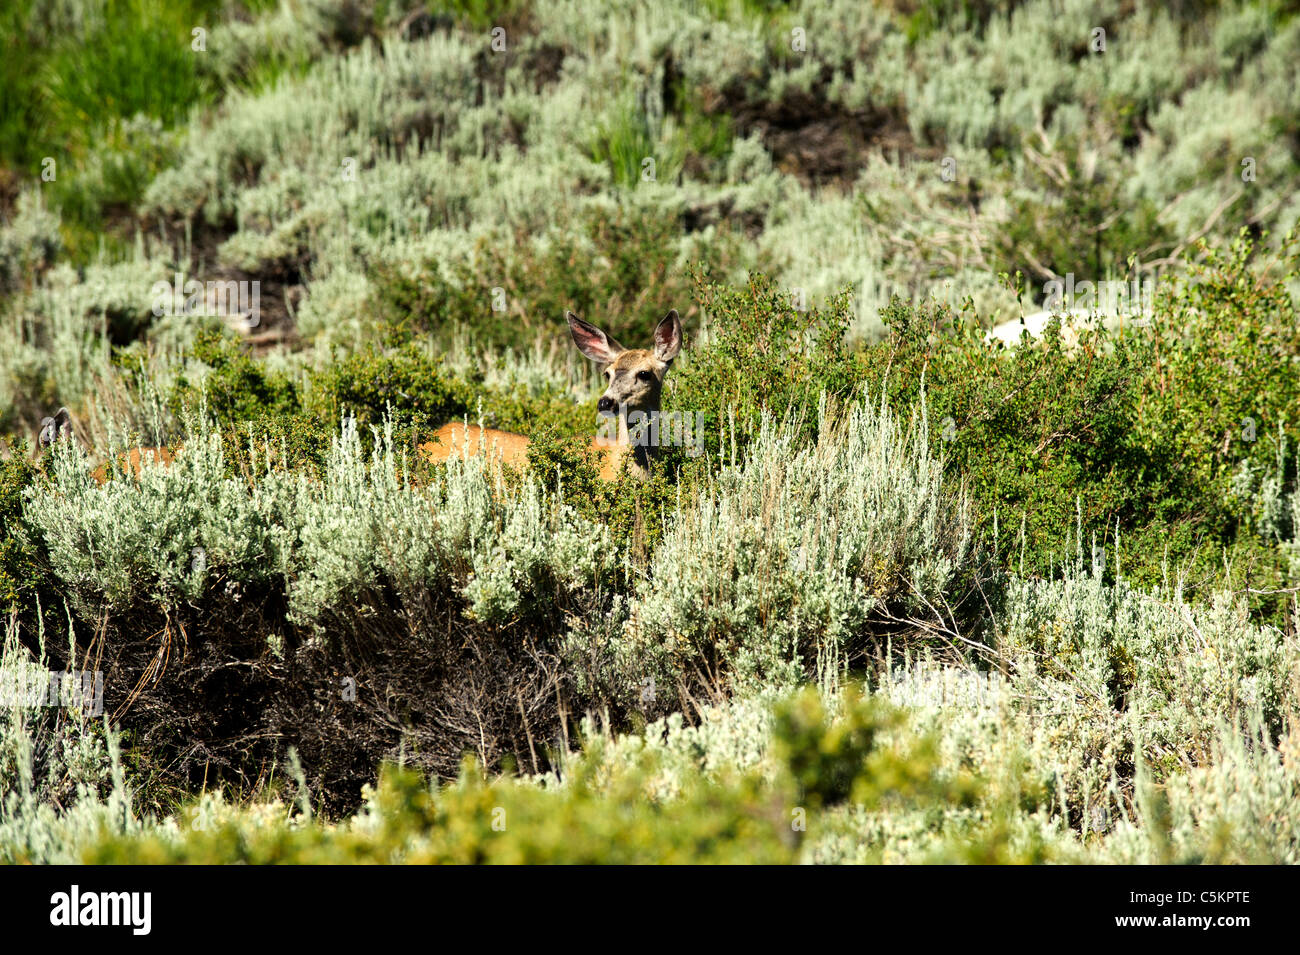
<point x="498" y="547"/>
<point x="768" y="575"/>
<point x="1130" y="672"/>
<point x="175" y="530"/>
<point x="164" y="536"/>
<point x="62" y="783"/>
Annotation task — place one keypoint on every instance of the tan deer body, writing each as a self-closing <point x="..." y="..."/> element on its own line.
<point x="130" y="462"/>
<point x="634" y="384"/>
<point x="468" y="441"/>
<point x="456" y="439"/>
<point x="59" y="428"/>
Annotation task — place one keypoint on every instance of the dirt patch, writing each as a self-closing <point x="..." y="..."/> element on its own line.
<point x="700" y="217"/>
<point x="279" y="284"/>
<point x="424" y="126"/>
<point x="420" y="24"/>
<point x="808" y="136"/>
<point x="10" y="186"/>
<point x="543" y="64"/>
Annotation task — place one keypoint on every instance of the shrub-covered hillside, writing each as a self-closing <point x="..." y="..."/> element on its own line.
<point x="908" y="594"/>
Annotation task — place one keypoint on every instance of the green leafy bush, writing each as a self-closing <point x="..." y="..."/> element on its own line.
<point x="22" y="565"/>
<point x="602" y="811"/>
<point x="764" y="352"/>
<point x="1133" y="438"/>
<point x="406" y="383"/>
<point x="230" y="383"/>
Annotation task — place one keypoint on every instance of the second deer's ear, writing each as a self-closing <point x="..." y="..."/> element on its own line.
<point x="592" y="342"/>
<point x="54" y="428"/>
<point x="668" y="337"/>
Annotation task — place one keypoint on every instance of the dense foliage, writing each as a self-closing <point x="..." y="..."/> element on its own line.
<point x="913" y="595"/>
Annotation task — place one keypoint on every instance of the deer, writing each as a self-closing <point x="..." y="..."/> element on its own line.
<point x="59" y="428"/>
<point x="634" y="388"/>
<point x="634" y="379"/>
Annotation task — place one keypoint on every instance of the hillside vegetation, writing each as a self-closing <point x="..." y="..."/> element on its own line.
<point x="916" y="597"/>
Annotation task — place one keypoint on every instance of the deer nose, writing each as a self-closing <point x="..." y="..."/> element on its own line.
<point x="605" y="405"/>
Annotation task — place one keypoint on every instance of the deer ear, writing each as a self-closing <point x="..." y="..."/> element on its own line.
<point x="592" y="342"/>
<point x="668" y="337"/>
<point x="54" y="428"/>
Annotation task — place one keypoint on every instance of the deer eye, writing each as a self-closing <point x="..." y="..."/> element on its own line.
<point x="644" y="375"/>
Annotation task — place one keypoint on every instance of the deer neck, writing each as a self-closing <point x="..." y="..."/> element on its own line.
<point x="634" y="443"/>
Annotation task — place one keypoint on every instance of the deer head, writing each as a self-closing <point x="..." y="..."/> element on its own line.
<point x="53" y="429"/>
<point x="634" y="377"/>
<point x="634" y="381"/>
